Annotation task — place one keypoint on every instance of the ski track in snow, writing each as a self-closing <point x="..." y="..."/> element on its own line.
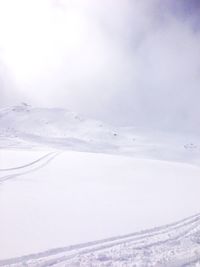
<point x="27" y="168"/>
<point x="176" y="244"/>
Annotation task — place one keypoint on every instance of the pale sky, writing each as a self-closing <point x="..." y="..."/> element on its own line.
<point x="127" y="62"/>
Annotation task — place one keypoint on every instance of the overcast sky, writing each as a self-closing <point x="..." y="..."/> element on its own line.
<point x="127" y="62"/>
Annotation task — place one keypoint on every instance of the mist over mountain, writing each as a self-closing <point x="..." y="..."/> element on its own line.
<point x="123" y="62"/>
<point x="99" y="133"/>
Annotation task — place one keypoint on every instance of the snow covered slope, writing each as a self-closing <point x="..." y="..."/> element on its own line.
<point x="57" y="198"/>
<point x="175" y="244"/>
<point x="26" y="127"/>
<point x="58" y="127"/>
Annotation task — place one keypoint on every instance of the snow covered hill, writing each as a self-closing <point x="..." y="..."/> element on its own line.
<point x="61" y="205"/>
<point x="26" y="127"/>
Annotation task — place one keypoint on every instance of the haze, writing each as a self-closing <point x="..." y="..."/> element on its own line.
<point x="125" y="62"/>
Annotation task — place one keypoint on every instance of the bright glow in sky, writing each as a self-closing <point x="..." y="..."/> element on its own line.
<point x="34" y="35"/>
<point x="124" y="61"/>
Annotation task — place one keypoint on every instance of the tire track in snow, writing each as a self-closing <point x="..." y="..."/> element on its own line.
<point x="27" y="165"/>
<point x="28" y="168"/>
<point x="138" y="240"/>
<point x="129" y="243"/>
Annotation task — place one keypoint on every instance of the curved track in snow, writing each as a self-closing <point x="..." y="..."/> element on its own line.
<point x="28" y="164"/>
<point x="12" y="173"/>
<point x="176" y="244"/>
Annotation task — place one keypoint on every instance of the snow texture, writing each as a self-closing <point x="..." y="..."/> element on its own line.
<point x="66" y="181"/>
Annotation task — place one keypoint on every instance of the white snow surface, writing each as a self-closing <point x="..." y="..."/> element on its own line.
<point x="26" y="127"/>
<point x="66" y="181"/>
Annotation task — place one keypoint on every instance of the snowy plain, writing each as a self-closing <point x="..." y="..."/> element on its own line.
<point x="66" y="181"/>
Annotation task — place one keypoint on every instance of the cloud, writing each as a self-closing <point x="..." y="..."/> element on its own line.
<point x="8" y="92"/>
<point x="128" y="62"/>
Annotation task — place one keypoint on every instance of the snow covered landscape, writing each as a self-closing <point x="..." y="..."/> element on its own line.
<point x="77" y="192"/>
<point x="99" y="133"/>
